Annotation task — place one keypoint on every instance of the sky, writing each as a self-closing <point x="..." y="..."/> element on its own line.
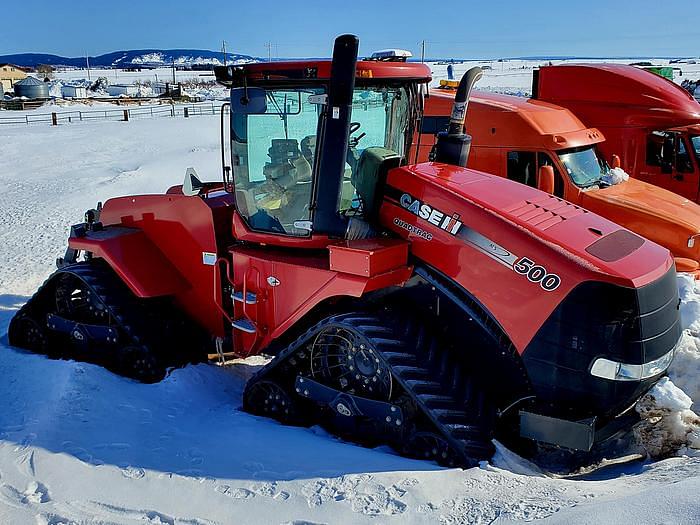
<point x="484" y="29"/>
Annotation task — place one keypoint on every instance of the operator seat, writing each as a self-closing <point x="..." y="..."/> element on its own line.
<point x="370" y="178"/>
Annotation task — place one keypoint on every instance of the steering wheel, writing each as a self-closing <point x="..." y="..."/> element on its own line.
<point x="354" y="141"/>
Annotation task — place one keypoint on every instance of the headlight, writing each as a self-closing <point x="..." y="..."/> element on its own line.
<point x="617" y="371"/>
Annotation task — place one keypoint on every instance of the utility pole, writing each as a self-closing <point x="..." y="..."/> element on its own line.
<point x="268" y="45"/>
<point x="422" y="51"/>
<point x="174" y="81"/>
<point x="223" y="49"/>
<point x="87" y="62"/>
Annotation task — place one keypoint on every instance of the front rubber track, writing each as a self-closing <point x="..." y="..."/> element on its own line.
<point x="447" y="401"/>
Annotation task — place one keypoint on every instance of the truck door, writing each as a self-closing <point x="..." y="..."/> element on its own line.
<point x="669" y="164"/>
<point x="523" y="166"/>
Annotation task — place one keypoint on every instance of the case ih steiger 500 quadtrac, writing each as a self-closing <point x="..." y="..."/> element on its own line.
<point x="426" y="306"/>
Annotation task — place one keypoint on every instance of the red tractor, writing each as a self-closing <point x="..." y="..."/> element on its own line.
<point x="425" y="306"/>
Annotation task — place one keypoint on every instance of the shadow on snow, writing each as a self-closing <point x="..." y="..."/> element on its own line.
<point x="190" y="424"/>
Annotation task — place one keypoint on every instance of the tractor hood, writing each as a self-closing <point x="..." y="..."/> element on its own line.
<point x="479" y="229"/>
<point x="660" y="215"/>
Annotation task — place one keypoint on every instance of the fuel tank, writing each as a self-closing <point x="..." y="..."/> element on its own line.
<point x="569" y="288"/>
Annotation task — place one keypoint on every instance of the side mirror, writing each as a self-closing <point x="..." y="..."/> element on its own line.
<point x="249" y="101"/>
<point x="616" y="163"/>
<point x="545" y="179"/>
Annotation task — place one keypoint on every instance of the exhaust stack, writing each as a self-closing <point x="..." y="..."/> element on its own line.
<point x="453" y="145"/>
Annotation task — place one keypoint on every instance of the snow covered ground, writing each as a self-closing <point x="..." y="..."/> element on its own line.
<point x="79" y="445"/>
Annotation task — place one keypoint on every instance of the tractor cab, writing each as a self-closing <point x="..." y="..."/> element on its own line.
<point x="310" y="141"/>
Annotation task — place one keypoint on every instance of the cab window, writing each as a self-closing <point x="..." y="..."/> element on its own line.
<point x="655" y="148"/>
<point x="683" y="162"/>
<point x="695" y="141"/>
<point x="273" y="154"/>
<point x="668" y="151"/>
<point x="522" y="167"/>
<point x="274" y="150"/>
<point x="380" y="118"/>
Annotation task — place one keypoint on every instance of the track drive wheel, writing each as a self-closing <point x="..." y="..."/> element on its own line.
<point x="268" y="398"/>
<point x="26" y="332"/>
<point x="347" y="359"/>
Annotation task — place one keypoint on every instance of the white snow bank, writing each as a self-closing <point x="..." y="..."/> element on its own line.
<point x="685" y="368"/>
<point x="668" y="425"/>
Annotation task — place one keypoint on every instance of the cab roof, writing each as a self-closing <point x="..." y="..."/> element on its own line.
<point x="508" y="121"/>
<point x="310" y="70"/>
<point x="616" y="95"/>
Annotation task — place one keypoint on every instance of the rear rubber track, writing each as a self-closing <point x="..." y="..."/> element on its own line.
<point x="150" y="333"/>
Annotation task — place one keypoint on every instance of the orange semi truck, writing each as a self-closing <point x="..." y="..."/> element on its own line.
<point x="652" y="124"/>
<point x="546" y="146"/>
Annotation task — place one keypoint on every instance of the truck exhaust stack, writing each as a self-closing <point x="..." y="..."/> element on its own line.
<point x="453" y="145"/>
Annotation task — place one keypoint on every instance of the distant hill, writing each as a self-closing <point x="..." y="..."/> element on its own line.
<point x="131" y="58"/>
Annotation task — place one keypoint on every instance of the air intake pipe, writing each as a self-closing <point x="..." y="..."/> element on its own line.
<point x="453" y="145"/>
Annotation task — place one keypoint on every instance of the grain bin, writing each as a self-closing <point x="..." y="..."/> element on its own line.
<point x="31" y="87"/>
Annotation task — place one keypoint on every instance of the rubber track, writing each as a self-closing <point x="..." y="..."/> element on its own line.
<point x="126" y="311"/>
<point x="445" y="395"/>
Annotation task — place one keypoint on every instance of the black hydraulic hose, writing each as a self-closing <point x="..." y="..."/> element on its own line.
<point x="459" y="109"/>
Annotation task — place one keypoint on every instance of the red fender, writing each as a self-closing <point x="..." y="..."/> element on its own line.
<point x="149" y="274"/>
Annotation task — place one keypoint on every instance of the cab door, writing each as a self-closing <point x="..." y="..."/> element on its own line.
<point x="669" y="164"/>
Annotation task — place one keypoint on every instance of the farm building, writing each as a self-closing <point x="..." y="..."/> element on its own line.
<point x="9" y="75"/>
<point x="74" y="92"/>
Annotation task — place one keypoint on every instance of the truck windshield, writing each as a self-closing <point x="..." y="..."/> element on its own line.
<point x="584" y="166"/>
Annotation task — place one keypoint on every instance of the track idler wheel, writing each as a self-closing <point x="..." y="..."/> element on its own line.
<point x="26" y="332"/>
<point x="347" y="361"/>
<point x="433" y="447"/>
<point x="268" y="398"/>
<point x="140" y="364"/>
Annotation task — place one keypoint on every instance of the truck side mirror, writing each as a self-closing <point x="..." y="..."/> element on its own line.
<point x="545" y="179"/>
<point x="616" y="163"/>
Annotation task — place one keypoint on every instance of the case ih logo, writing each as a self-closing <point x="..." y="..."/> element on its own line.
<point x="524" y="266"/>
<point x="450" y="224"/>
